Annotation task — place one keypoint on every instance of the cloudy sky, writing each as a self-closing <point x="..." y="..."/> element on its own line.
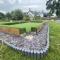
<point x="9" y="5"/>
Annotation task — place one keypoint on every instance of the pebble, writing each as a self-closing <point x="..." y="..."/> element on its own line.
<point x="38" y="41"/>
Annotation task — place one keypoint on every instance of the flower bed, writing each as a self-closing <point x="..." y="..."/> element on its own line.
<point x="34" y="44"/>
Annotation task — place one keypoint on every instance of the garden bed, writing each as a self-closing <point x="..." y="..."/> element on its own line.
<point x="17" y="29"/>
<point x="30" y="43"/>
<point x="53" y="52"/>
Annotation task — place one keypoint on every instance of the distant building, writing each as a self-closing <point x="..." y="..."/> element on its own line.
<point x="34" y="13"/>
<point x="31" y="14"/>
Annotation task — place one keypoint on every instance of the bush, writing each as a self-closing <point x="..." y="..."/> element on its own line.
<point x="22" y="30"/>
<point x="33" y="29"/>
<point x="2" y="16"/>
<point x="37" y="17"/>
<point x="26" y="18"/>
<point x="11" y="23"/>
<point x="37" y="21"/>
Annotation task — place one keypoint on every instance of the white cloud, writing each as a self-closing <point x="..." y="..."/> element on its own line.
<point x="32" y="6"/>
<point x="1" y="2"/>
<point x="22" y="4"/>
<point x="12" y="1"/>
<point x="19" y="1"/>
<point x="3" y="11"/>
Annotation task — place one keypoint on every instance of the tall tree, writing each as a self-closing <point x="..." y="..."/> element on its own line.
<point x="54" y="7"/>
<point x="2" y="15"/>
<point x="17" y="15"/>
<point x="8" y="15"/>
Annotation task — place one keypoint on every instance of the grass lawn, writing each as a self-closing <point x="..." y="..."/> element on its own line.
<point x="26" y="25"/>
<point x="3" y="22"/>
<point x="23" y="25"/>
<point x="7" y="53"/>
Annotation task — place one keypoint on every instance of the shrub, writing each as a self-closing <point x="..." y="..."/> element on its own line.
<point x="26" y="18"/>
<point x="22" y="30"/>
<point x="11" y="23"/>
<point x="37" y="21"/>
<point x="34" y="29"/>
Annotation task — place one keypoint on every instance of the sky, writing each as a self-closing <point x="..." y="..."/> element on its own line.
<point x="24" y="5"/>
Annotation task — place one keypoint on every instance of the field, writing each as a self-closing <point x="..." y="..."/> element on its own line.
<point x="7" y="53"/>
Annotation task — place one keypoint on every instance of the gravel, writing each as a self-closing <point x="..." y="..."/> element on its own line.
<point x="38" y="41"/>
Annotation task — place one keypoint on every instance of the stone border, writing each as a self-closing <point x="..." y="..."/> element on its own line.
<point x="27" y="51"/>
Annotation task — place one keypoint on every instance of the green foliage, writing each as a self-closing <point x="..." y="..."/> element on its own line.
<point x="37" y="21"/>
<point x="54" y="7"/>
<point x="27" y="26"/>
<point x="37" y="17"/>
<point x="33" y="29"/>
<point x="22" y="30"/>
<point x="2" y="15"/>
<point x="26" y="17"/>
<point x="13" y="15"/>
<point x="11" y="23"/>
<point x="8" y="53"/>
<point x="19" y="25"/>
<point x="17" y="15"/>
<point x="8" y="16"/>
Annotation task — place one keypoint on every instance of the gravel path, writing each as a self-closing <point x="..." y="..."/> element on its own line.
<point x="33" y="41"/>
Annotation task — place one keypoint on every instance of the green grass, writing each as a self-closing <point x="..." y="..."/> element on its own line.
<point x="26" y="25"/>
<point x="3" y="23"/>
<point x="23" y="25"/>
<point x="8" y="53"/>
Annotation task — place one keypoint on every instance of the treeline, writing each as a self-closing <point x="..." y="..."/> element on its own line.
<point x="13" y="15"/>
<point x="18" y="15"/>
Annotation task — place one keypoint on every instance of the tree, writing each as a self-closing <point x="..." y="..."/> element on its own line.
<point x="2" y="15"/>
<point x="54" y="7"/>
<point x="8" y="15"/>
<point x="17" y="15"/>
<point x="26" y="17"/>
